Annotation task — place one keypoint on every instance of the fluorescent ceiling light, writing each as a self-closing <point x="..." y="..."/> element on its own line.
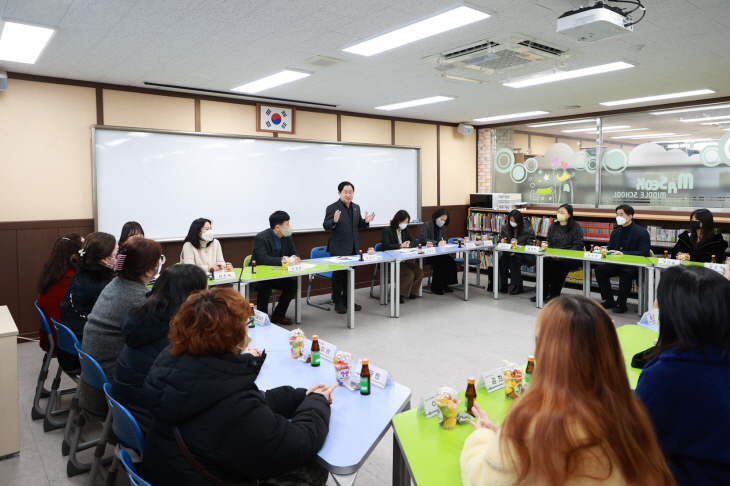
<point x="459" y="78"/>
<point x="553" y="124"/>
<point x="514" y="115"/>
<point x="622" y="131"/>
<point x="593" y="129"/>
<point x="686" y="110"/>
<point x="408" y="104"/>
<point x="562" y="76"/>
<point x="704" y="119"/>
<point x="436" y="24"/>
<point x="683" y="94"/>
<point x="23" y="43"/>
<point x="652" y="135"/>
<point x="688" y="141"/>
<point x="276" y="79"/>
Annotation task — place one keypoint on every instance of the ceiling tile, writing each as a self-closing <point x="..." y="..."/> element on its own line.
<point x="41" y="12"/>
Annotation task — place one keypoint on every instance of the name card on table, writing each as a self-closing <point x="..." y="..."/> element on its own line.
<point x="504" y="246"/>
<point x="299" y="267"/>
<point x="378" y="376"/>
<point x="668" y="262"/>
<point x="327" y="350"/>
<point x="223" y="275"/>
<point x="592" y="256"/>
<point x="491" y="380"/>
<point x="261" y="318"/>
<point x="718" y="267"/>
<point x="428" y="406"/>
<point x="532" y="249"/>
<point x="369" y="258"/>
<point x="471" y="244"/>
<point x="429" y="251"/>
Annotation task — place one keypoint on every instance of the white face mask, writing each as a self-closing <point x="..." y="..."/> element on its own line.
<point x="287" y="232"/>
<point x="402" y="226"/>
<point x="513" y="224"/>
<point x="621" y="221"/>
<point x="440" y="223"/>
<point x="208" y="235"/>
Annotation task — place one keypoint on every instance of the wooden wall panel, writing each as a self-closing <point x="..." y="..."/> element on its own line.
<point x="366" y="130"/>
<point x="314" y="126"/>
<point x="127" y="109"/>
<point x="424" y="136"/>
<point x="220" y="117"/>
<point x="458" y="173"/>
<point x="34" y="248"/>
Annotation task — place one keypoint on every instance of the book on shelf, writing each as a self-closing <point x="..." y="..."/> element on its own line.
<point x="596" y="231"/>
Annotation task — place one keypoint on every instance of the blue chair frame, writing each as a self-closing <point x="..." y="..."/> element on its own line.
<point x="126" y="429"/>
<point x="134" y="478"/>
<point x="474" y="263"/>
<point x="318" y="252"/>
<point x="65" y="341"/>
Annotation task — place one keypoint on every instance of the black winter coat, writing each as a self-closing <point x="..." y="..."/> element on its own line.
<point x="144" y="331"/>
<point x="84" y="289"/>
<point x="714" y="245"/>
<point x="236" y="432"/>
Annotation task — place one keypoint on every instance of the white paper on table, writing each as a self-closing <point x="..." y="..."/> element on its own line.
<point x="406" y="250"/>
<point x="307" y="266"/>
<point x="647" y="321"/>
<point x="343" y="259"/>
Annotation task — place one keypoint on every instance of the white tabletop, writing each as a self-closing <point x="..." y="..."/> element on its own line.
<point x="357" y="422"/>
<point x="381" y="257"/>
<point x="440" y="250"/>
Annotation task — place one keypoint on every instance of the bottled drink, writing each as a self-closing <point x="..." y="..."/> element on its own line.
<point x="315" y="351"/>
<point x="361" y="255"/>
<point x="713" y="259"/>
<point x="592" y="246"/>
<point x="530" y="368"/>
<point x="252" y="319"/>
<point x="666" y="254"/>
<point x="420" y="250"/>
<point x="253" y="267"/>
<point x="471" y="394"/>
<point x="365" y="378"/>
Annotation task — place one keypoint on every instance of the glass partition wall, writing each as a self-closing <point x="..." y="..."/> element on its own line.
<point x="674" y="158"/>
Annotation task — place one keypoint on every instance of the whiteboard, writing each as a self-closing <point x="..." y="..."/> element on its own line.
<point x="165" y="180"/>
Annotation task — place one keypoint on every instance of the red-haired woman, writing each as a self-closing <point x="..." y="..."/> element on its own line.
<point x="578" y="423"/>
<point x="203" y="399"/>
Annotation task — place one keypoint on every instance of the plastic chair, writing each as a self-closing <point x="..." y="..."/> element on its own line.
<point x="375" y="272"/>
<point x="247" y="262"/>
<point x="430" y="273"/>
<point x="318" y="252"/>
<point x="134" y="478"/>
<point x="94" y="376"/>
<point x="126" y="429"/>
<point x="38" y="412"/>
<point x="474" y="263"/>
<point x="66" y="341"/>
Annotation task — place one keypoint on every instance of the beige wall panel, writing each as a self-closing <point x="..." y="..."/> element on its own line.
<point x="45" y="161"/>
<point x="366" y="130"/>
<point x="540" y="144"/>
<point x="458" y="166"/>
<point x="424" y="136"/>
<point x="219" y="117"/>
<point x="314" y="126"/>
<point x="521" y="141"/>
<point x="127" y="109"/>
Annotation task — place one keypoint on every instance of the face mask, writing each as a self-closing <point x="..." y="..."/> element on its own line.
<point x="513" y="224"/>
<point x="402" y="226"/>
<point x="287" y="232"/>
<point x="695" y="225"/>
<point x="113" y="263"/>
<point x="208" y="235"/>
<point x="621" y="221"/>
<point x="440" y="223"/>
<point x="561" y="217"/>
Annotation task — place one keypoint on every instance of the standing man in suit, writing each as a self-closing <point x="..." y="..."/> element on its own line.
<point x="628" y="239"/>
<point x="343" y="219"/>
<point x="269" y="247"/>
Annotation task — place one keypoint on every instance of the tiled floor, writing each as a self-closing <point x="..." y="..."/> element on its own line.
<point x="437" y="340"/>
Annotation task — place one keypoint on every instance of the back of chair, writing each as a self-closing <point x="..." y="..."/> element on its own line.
<point x="378" y="246"/>
<point x="134" y="478"/>
<point x="321" y="252"/>
<point x="67" y="340"/>
<point x="453" y="241"/>
<point x="124" y="424"/>
<point x="246" y="261"/>
<point x="91" y="372"/>
<point x="45" y="328"/>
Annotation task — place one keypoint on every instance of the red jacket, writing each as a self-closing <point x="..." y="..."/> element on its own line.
<point x="50" y="304"/>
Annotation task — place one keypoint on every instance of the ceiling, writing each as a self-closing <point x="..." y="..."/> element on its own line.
<point x="220" y="44"/>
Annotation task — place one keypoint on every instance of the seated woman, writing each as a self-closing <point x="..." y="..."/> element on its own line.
<point x="137" y="263"/>
<point x="578" y="422"/>
<point x="96" y="262"/>
<point x="519" y="228"/>
<point x="565" y="235"/>
<point x="201" y="248"/>
<point x="686" y="386"/>
<point x="144" y="330"/>
<point x="130" y="229"/>
<point x="55" y="277"/>
<point x="203" y="398"/>
<point x="397" y="236"/>
<point x="701" y="242"/>
<point x="443" y="266"/>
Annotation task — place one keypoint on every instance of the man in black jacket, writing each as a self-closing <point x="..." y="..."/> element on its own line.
<point x="343" y="219"/>
<point x="627" y="239"/>
<point x="269" y="247"/>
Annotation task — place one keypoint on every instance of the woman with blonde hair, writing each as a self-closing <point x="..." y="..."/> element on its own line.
<point x="578" y="423"/>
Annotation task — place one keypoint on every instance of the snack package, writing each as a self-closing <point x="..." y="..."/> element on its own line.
<point x="296" y="341"/>
<point x="447" y="401"/>
<point x="513" y="376"/>
<point x="371" y="251"/>
<point x="343" y="367"/>
<point x="513" y="243"/>
<point x="543" y="246"/>
<point x="229" y="266"/>
<point x="429" y="245"/>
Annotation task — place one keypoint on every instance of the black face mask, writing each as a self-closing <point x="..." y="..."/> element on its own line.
<point x="695" y="225"/>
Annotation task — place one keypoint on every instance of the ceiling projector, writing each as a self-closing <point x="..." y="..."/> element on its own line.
<point x="594" y="23"/>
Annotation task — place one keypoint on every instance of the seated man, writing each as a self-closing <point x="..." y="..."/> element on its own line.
<point x="269" y="247"/>
<point x="627" y="239"/>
